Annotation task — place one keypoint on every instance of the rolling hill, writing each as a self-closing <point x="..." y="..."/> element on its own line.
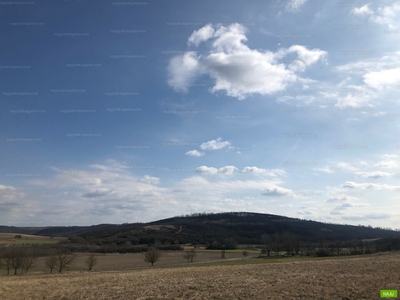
<point x="203" y="228"/>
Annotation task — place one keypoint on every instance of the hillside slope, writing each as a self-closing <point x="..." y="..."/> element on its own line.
<point x="245" y="228"/>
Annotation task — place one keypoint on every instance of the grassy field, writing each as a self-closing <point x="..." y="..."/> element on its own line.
<point x="131" y="261"/>
<point x="359" y="277"/>
<point x="232" y="251"/>
<point x="8" y="238"/>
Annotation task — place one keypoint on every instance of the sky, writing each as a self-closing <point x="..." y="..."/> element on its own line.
<point x="122" y="112"/>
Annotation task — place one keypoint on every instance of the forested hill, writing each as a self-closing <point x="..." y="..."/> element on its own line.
<point x="243" y="227"/>
<point x="205" y="228"/>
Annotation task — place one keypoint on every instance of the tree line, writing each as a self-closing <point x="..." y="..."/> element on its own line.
<point x="20" y="260"/>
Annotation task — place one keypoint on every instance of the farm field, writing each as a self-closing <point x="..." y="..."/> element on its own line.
<point x="359" y="277"/>
<point x="8" y="238"/>
<point x="130" y="261"/>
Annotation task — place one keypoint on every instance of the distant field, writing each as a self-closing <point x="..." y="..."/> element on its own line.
<point x="8" y="238"/>
<point x="131" y="261"/>
<point x="231" y="251"/>
<point x="360" y="277"/>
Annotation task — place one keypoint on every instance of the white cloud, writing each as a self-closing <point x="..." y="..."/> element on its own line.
<point x="363" y="10"/>
<point x="97" y="193"/>
<point x="201" y="35"/>
<point x="305" y="57"/>
<point x="211" y="170"/>
<point x="386" y="14"/>
<point x="150" y="180"/>
<point x="347" y="205"/>
<point x="355" y="96"/>
<point x="382" y="79"/>
<point x="5" y="188"/>
<point x="342" y="166"/>
<point x="276" y="191"/>
<point x="341" y="198"/>
<point x="386" y="62"/>
<point x="325" y="169"/>
<point x="217" y="144"/>
<point x="348" y="167"/>
<point x="227" y="170"/>
<point x="237" y="69"/>
<point x="376" y="174"/>
<point x="221" y="188"/>
<point x="256" y="171"/>
<point x="386" y="164"/>
<point x="378" y="216"/>
<point x="194" y="153"/>
<point x="12" y="199"/>
<point x="380" y="75"/>
<point x="182" y="70"/>
<point x="350" y="184"/>
<point x="389" y="156"/>
<point x="295" y="5"/>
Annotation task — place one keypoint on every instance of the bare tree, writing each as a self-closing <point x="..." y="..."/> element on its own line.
<point x="29" y="261"/>
<point x="152" y="256"/>
<point x="223" y="252"/>
<point x="321" y="244"/>
<point x="91" y="261"/>
<point x="6" y="259"/>
<point x="338" y="246"/>
<point x="332" y="247"/>
<point x="17" y="257"/>
<point x="276" y="244"/>
<point x="296" y="243"/>
<point x="51" y="262"/>
<point x="190" y="255"/>
<point x="267" y="241"/>
<point x="367" y="247"/>
<point x="356" y="247"/>
<point x="128" y="244"/>
<point x="64" y="259"/>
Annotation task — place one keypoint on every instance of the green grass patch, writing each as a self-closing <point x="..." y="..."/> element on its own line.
<point x="230" y="251"/>
<point x="35" y="241"/>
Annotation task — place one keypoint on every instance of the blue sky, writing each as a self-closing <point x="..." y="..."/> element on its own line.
<point x="134" y="111"/>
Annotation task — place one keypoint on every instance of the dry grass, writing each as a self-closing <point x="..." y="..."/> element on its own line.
<point x="355" y="278"/>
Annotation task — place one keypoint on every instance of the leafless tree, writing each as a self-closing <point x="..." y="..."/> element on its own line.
<point x="152" y="255"/>
<point x="128" y="244"/>
<point x="17" y="257"/>
<point x="51" y="261"/>
<point x="6" y="259"/>
<point x="29" y="261"/>
<point x="338" y="246"/>
<point x="286" y="243"/>
<point x="356" y="247"/>
<point x="367" y="247"/>
<point x="332" y="247"/>
<point x="91" y="261"/>
<point x="267" y="241"/>
<point x="321" y="244"/>
<point x="302" y="249"/>
<point x="190" y="255"/>
<point x="64" y="259"/>
<point x="277" y="243"/>
<point x="296" y="243"/>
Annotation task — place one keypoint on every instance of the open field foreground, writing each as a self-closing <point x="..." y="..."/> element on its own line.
<point x="355" y="278"/>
